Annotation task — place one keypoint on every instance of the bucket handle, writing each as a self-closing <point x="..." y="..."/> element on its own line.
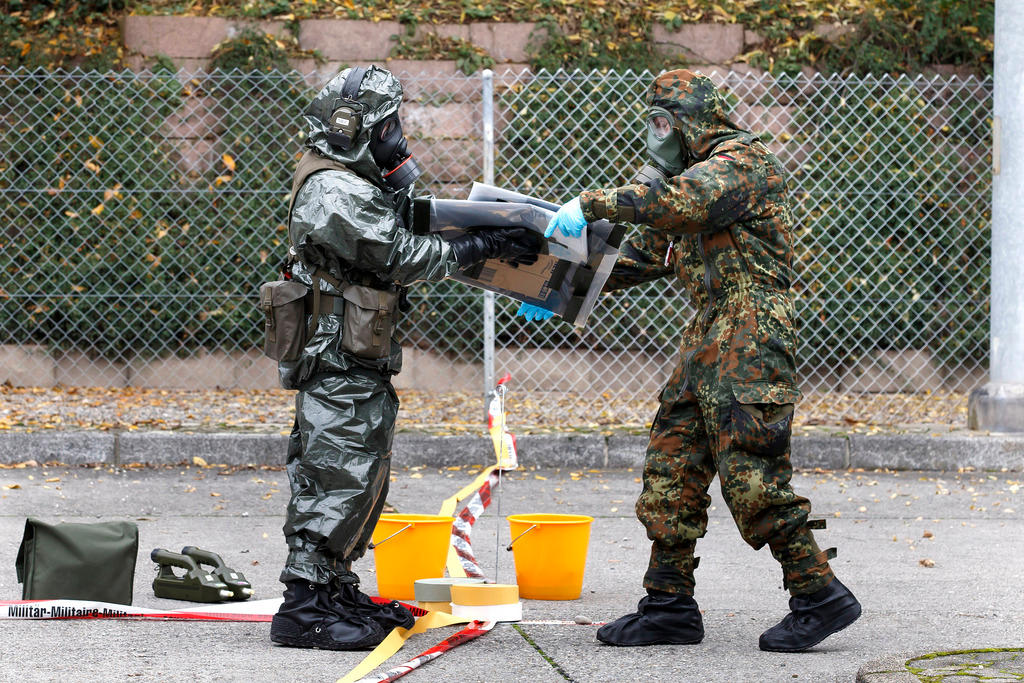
<point x="509" y="546"/>
<point x="374" y="545"/>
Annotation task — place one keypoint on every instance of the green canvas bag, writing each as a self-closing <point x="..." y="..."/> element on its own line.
<point x="78" y="561"/>
<point x="284" y="310"/>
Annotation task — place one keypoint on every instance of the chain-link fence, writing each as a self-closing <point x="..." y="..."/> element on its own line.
<point x="142" y="211"/>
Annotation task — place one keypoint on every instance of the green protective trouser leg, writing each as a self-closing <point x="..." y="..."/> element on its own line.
<point x="680" y="465"/>
<point x="339" y="460"/>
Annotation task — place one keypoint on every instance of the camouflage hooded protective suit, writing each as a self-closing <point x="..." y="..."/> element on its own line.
<point x="349" y="223"/>
<point x="724" y="228"/>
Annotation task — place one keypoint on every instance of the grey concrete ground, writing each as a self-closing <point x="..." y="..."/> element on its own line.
<point x="935" y="558"/>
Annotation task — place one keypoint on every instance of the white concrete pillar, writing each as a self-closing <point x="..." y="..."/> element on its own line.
<point x="999" y="405"/>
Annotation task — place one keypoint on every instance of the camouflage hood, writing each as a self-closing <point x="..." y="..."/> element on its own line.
<point x="698" y="108"/>
<point x="380" y="93"/>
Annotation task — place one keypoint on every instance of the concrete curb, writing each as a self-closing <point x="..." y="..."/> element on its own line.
<point x="948" y="452"/>
<point x="574" y="451"/>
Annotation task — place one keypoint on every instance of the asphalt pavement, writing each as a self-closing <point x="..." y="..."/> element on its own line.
<point x="935" y="558"/>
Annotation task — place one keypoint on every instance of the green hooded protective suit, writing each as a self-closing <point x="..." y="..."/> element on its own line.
<point x="347" y="222"/>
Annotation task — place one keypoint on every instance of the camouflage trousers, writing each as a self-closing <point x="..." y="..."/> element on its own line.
<point x="728" y="411"/>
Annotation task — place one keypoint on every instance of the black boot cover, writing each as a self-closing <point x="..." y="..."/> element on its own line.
<point x="388" y="615"/>
<point x="812" y="618"/>
<point x="308" y="618"/>
<point x="661" y="619"/>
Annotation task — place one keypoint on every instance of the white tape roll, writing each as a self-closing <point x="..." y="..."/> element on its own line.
<point x="438" y="590"/>
<point x="489" y="612"/>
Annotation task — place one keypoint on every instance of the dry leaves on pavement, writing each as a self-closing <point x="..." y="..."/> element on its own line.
<point x="132" y="408"/>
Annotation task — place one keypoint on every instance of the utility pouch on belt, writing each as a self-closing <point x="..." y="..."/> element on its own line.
<point x="78" y="561"/>
<point x="284" y="311"/>
<point x="370" y="316"/>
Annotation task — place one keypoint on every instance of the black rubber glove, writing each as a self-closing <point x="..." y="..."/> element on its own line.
<point x="518" y="246"/>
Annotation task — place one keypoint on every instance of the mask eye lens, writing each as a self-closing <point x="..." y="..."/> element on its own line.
<point x="660" y="126"/>
<point x="386" y="129"/>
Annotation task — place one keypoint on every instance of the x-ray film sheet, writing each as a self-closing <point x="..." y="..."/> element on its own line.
<point x="569" y="273"/>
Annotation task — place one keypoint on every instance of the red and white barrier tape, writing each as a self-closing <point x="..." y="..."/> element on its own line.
<point x="257" y="610"/>
<point x="461" y="559"/>
<point x="463" y="525"/>
<point x="474" y="630"/>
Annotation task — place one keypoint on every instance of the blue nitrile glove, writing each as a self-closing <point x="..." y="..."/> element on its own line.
<point x="532" y="313"/>
<point x="569" y="219"/>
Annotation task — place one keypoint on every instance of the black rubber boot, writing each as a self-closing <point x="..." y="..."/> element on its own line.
<point x="387" y="615"/>
<point x="812" y="619"/>
<point x="661" y="619"/>
<point x="307" y="618"/>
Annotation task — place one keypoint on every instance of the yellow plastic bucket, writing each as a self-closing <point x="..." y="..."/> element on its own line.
<point x="550" y="554"/>
<point x="407" y="548"/>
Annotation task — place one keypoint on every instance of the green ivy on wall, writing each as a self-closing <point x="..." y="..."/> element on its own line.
<point x="870" y="36"/>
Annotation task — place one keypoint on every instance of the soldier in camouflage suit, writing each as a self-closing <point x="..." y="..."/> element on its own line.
<point x="717" y="215"/>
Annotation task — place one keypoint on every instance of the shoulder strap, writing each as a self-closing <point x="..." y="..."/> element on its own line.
<point x="310" y="163"/>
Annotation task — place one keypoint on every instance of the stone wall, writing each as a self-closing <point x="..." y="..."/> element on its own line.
<point x="565" y="370"/>
<point x="453" y="127"/>
<point x="339" y="42"/>
<point x="346" y="42"/>
<point x="450" y="123"/>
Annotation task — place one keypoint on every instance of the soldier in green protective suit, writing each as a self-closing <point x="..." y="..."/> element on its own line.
<point x="715" y="213"/>
<point x="349" y="229"/>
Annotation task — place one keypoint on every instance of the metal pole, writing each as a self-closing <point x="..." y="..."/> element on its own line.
<point x="489" y="387"/>
<point x="999" y="405"/>
<point x="487" y="97"/>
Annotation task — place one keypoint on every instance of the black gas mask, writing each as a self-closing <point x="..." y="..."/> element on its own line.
<point x="388" y="145"/>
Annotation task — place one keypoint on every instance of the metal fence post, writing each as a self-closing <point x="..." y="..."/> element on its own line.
<point x="487" y="100"/>
<point x="999" y="405"/>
